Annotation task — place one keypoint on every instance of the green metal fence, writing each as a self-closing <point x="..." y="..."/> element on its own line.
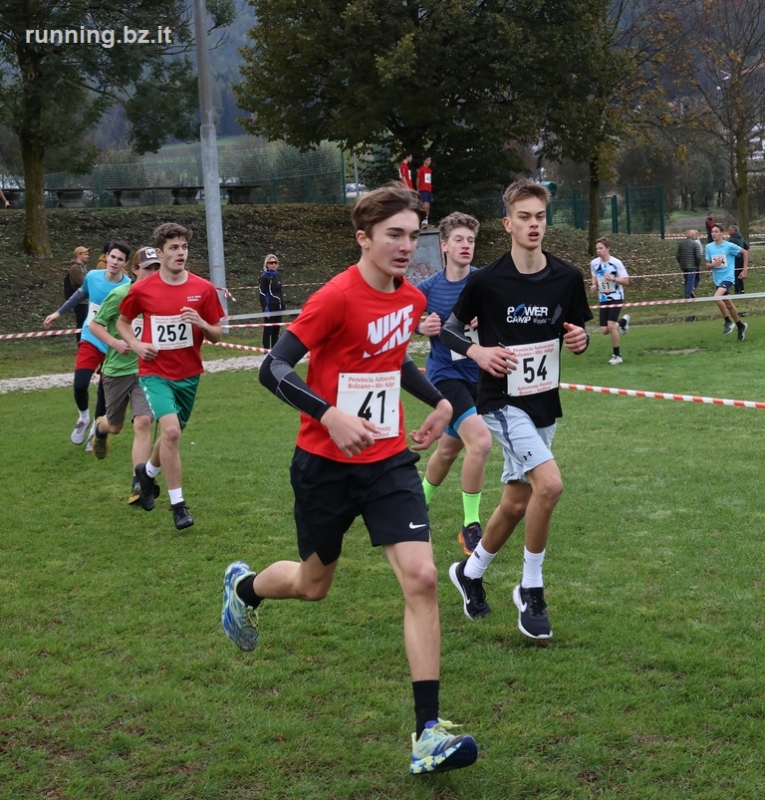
<point x="638" y="209"/>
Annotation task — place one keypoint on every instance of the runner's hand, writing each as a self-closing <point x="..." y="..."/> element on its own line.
<point x="351" y="434"/>
<point x="50" y="319"/>
<point x="575" y="338"/>
<point x="434" y="425"/>
<point x="145" y="350"/>
<point x="431" y="325"/>
<point x="497" y="361"/>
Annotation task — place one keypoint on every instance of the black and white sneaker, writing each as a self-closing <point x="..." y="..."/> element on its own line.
<point x="742" y="326"/>
<point x="727" y="328"/>
<point x="532" y="616"/>
<point x="473" y="596"/>
<point x="147" y="487"/>
<point x="624" y="324"/>
<point x="181" y="516"/>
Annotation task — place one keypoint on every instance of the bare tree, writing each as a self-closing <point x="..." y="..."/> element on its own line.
<point x="720" y="71"/>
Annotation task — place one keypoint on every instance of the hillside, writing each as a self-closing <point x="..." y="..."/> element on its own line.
<point x="313" y="243"/>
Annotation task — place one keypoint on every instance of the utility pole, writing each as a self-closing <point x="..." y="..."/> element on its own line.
<point x="209" y="142"/>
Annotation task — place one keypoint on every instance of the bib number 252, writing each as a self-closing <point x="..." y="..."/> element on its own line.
<point x="171" y="333"/>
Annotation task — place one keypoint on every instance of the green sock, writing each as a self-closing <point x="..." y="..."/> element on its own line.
<point x="429" y="490"/>
<point x="471" y="503"/>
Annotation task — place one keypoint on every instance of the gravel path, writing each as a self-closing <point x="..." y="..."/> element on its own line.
<point x="64" y="380"/>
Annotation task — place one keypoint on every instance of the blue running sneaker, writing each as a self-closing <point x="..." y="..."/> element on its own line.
<point x="469" y="537"/>
<point x="437" y="750"/>
<point x="239" y="620"/>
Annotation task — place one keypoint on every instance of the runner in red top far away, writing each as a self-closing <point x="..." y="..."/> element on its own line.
<point x="425" y="186"/>
<point x="404" y="172"/>
<point x="179" y="311"/>
<point x="352" y="459"/>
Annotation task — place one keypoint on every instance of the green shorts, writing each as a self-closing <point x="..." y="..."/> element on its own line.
<point x="170" y="397"/>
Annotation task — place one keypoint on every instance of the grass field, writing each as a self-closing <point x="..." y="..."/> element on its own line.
<point x="117" y="681"/>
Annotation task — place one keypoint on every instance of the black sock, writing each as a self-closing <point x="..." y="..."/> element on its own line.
<point x="246" y="593"/>
<point x="739" y="324"/>
<point x="425" y="703"/>
<point x="728" y="320"/>
<point x="616" y="351"/>
<point x="100" y="435"/>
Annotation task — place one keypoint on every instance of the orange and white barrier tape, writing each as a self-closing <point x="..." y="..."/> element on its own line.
<point x="683" y="398"/>
<point x="238" y="346"/>
<point x="259" y="325"/>
<point x="737" y="297"/>
<point x="36" y="334"/>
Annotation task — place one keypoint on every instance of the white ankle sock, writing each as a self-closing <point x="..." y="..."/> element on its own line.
<point x="176" y="496"/>
<point x="477" y="563"/>
<point x="151" y="470"/>
<point x="532" y="569"/>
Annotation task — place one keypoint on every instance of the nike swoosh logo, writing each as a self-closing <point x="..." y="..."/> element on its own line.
<point x="524" y="606"/>
<point x="414" y="527"/>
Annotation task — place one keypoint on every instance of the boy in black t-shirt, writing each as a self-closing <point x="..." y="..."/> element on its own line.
<point x="529" y="305"/>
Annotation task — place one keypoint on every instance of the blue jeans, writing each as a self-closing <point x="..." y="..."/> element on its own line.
<point x="691" y="282"/>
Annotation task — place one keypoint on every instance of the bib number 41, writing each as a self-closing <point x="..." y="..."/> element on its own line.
<point x="373" y="397"/>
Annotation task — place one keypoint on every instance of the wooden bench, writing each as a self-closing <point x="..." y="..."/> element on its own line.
<point x="70" y="198"/>
<point x="241" y="195"/>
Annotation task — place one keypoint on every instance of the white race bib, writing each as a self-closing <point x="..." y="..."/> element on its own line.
<point x="137" y="325"/>
<point x="538" y="368"/>
<point x="606" y="286"/>
<point x="171" y="333"/>
<point x="373" y="396"/>
<point x="472" y="334"/>
<point x="92" y="311"/>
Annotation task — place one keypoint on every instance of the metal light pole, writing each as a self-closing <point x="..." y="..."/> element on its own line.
<point x="210" y="176"/>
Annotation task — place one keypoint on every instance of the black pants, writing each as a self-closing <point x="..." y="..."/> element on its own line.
<point x="271" y="332"/>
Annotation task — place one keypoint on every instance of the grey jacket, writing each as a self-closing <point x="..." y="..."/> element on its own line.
<point x="688" y="255"/>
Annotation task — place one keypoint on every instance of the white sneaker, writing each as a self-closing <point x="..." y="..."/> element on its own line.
<point x="91" y="437"/>
<point x="624" y="324"/>
<point x="616" y="360"/>
<point x="78" y="434"/>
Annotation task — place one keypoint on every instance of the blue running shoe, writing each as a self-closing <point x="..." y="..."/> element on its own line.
<point x="469" y="537"/>
<point x="437" y="750"/>
<point x="239" y="620"/>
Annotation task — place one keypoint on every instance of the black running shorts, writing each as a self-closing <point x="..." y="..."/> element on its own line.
<point x="329" y="495"/>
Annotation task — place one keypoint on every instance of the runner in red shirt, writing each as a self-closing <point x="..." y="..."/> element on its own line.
<point x="425" y="186"/>
<point x="405" y="173"/>
<point x="352" y="459"/>
<point x="179" y="311"/>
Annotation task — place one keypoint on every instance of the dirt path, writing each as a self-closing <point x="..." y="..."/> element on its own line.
<point x="65" y="379"/>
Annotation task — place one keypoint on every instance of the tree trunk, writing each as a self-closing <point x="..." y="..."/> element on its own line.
<point x="36" y="241"/>
<point x="594" y="221"/>
<point x="742" y="186"/>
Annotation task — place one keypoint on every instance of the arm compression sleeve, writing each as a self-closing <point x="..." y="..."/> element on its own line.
<point x="452" y="335"/>
<point x="414" y="382"/>
<point x="73" y="301"/>
<point x="278" y="375"/>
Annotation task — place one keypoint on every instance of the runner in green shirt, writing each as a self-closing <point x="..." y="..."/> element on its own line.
<point x="120" y="374"/>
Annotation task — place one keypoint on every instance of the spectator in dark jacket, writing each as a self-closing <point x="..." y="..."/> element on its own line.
<point x="734" y="235"/>
<point x="709" y="222"/>
<point x="688" y="256"/>
<point x="271" y="299"/>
